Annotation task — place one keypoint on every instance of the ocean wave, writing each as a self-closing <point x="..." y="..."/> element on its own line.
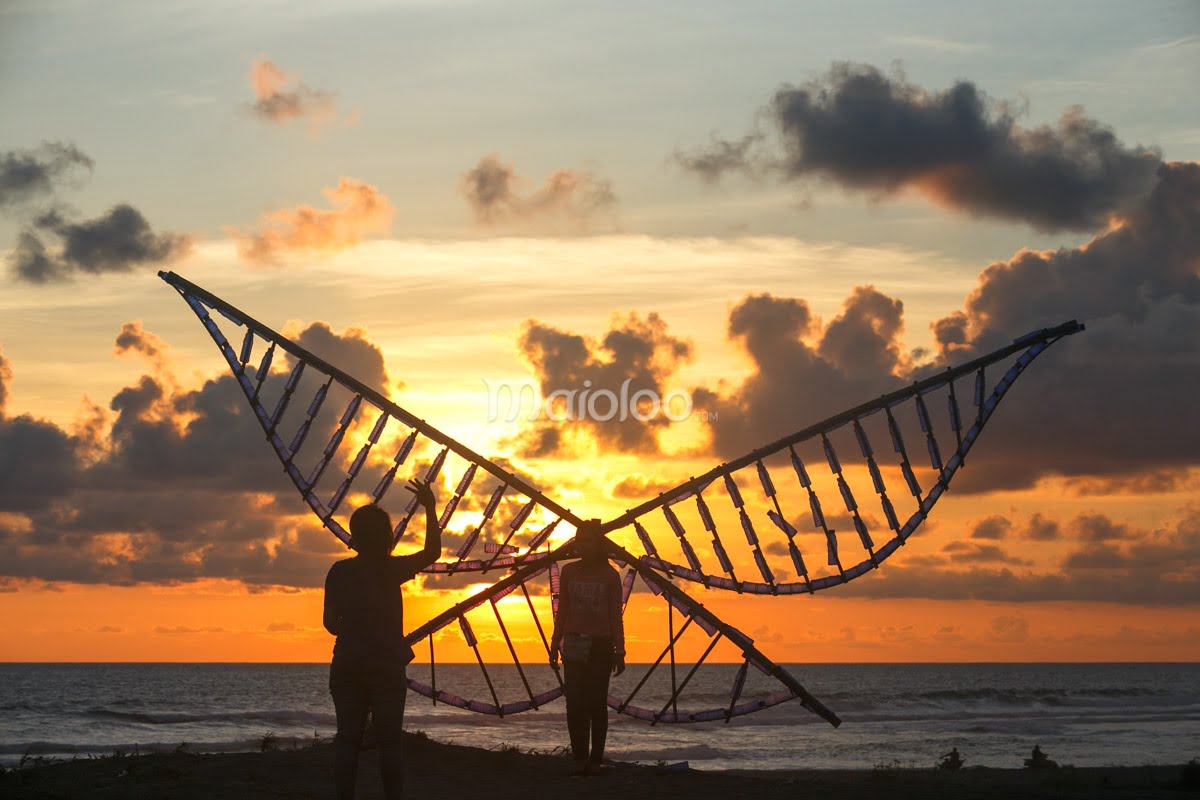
<point x="1017" y="695"/>
<point x="274" y="716"/>
<point x="43" y="749"/>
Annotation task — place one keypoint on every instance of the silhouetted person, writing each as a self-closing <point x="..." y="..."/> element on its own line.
<point x="591" y="639"/>
<point x="952" y="761"/>
<point x="1039" y="760"/>
<point x="363" y="609"/>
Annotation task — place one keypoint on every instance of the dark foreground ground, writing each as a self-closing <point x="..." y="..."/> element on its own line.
<point x="439" y="770"/>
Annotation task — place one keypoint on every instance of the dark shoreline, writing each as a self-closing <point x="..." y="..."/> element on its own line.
<point x="438" y="770"/>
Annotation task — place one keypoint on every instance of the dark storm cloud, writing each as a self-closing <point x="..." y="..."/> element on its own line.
<point x="803" y="371"/>
<point x="634" y="356"/>
<point x="28" y="174"/>
<point x="183" y="487"/>
<point x="31" y="261"/>
<point x="118" y="241"/>
<point x="862" y="129"/>
<point x="220" y="445"/>
<point x="350" y="350"/>
<point x="1119" y="399"/>
<point x="494" y="192"/>
<point x="38" y="463"/>
<point x="37" y="459"/>
<point x="1112" y="409"/>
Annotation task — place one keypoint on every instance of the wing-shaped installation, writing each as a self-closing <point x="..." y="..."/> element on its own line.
<point x="335" y="435"/>
<point x="829" y="503"/>
<point x="314" y="416"/>
<point x="663" y="701"/>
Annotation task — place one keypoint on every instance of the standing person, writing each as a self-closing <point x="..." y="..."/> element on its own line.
<point x="589" y="635"/>
<point x="363" y="609"/>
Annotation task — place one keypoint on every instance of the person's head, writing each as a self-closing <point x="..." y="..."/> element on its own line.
<point x="371" y="531"/>
<point x="589" y="541"/>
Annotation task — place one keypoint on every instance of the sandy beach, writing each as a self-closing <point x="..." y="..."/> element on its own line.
<point x="440" y="770"/>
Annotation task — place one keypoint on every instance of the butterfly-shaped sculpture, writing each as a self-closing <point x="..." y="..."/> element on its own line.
<point x="341" y="441"/>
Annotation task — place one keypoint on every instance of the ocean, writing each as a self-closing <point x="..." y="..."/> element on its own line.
<point x="893" y="714"/>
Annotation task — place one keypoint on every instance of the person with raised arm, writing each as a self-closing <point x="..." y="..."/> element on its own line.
<point x="590" y="638"/>
<point x="364" y="610"/>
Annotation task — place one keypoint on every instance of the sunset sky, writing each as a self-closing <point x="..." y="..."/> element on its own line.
<point x="781" y="209"/>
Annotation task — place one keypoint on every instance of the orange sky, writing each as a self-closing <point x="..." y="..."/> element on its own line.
<point x="211" y="621"/>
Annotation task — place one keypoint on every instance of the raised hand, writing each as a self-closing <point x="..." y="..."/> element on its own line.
<point x="423" y="491"/>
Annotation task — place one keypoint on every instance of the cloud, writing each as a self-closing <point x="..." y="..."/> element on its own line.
<point x="713" y="161"/>
<point x="1041" y="529"/>
<point x="29" y="174"/>
<point x="802" y="370"/>
<point x="1008" y="629"/>
<point x="280" y="97"/>
<point x="134" y="338"/>
<point x="182" y="487"/>
<point x="37" y="459"/>
<point x="350" y="350"/>
<point x="576" y="198"/>
<point x="861" y="129"/>
<point x="38" y="464"/>
<point x="641" y="487"/>
<point x="764" y="634"/>
<point x="358" y="209"/>
<point x="6" y="377"/>
<point x="1119" y="399"/>
<point x="973" y="553"/>
<point x="1160" y="481"/>
<point x="1135" y="284"/>
<point x="1151" y="568"/>
<point x="633" y="360"/>
<point x="1099" y="528"/>
<point x="118" y="241"/>
<point x="993" y="527"/>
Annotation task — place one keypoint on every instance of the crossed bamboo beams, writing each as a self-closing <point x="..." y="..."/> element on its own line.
<point x="694" y="611"/>
<point x="528" y="565"/>
<point x="845" y="417"/>
<point x="683" y="490"/>
<point x="186" y="287"/>
<point x="197" y="298"/>
<point x="1037" y="344"/>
